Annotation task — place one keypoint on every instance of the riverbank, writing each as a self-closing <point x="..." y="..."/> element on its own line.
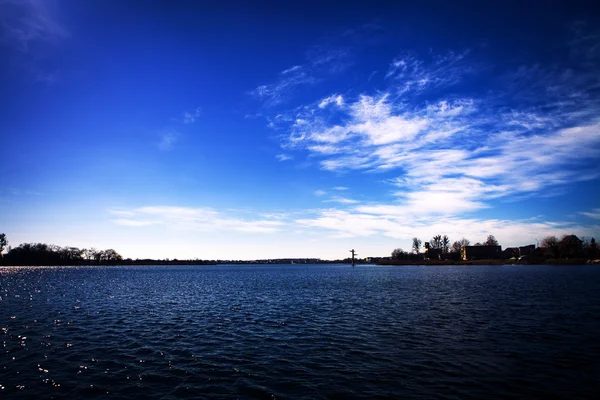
<point x="564" y="261"/>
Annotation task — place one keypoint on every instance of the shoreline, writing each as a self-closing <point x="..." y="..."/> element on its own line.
<point x="571" y="261"/>
<point x="566" y="261"/>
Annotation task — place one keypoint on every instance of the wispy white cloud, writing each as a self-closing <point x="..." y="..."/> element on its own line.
<point x="121" y="213"/>
<point x="31" y="28"/>
<point x="409" y="73"/>
<point x="356" y="221"/>
<point x="338" y="100"/>
<point x="291" y="69"/>
<point x="168" y="140"/>
<point x="341" y="200"/>
<point x="595" y="213"/>
<point x="133" y="222"/>
<point x="284" y="157"/>
<point x="363" y="222"/>
<point x="340" y="188"/>
<point x="320" y="62"/>
<point x="189" y="117"/>
<point x="29" y="22"/>
<point x="459" y="152"/>
<point x="194" y="219"/>
<point x="534" y="132"/>
<point x="274" y="93"/>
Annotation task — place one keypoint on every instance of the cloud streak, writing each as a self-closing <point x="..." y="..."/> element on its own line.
<point x="28" y="23"/>
<point x="31" y="28"/>
<point x="284" y="157"/>
<point x="371" y="222"/>
<point x="595" y="213"/>
<point x="358" y="221"/>
<point x="320" y="62"/>
<point x="194" y="219"/>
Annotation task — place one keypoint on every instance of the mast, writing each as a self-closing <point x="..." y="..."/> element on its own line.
<point x="353" y="254"/>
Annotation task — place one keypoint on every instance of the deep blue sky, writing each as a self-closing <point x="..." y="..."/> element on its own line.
<point x="250" y="130"/>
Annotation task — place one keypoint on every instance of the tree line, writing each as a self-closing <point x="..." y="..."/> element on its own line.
<point x="439" y="244"/>
<point x="549" y="247"/>
<point x="41" y="254"/>
<point x="47" y="254"/>
<point x="569" y="246"/>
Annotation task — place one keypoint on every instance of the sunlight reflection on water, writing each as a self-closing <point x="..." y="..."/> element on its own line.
<point x="299" y="331"/>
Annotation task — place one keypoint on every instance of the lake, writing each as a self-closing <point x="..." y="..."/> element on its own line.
<point x="300" y="331"/>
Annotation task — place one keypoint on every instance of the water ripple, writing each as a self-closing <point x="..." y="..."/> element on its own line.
<point x="313" y="332"/>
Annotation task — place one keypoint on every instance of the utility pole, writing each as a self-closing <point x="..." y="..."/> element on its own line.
<point x="353" y="254"/>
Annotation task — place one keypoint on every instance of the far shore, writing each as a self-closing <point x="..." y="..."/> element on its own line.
<point x="560" y="261"/>
<point x="381" y="262"/>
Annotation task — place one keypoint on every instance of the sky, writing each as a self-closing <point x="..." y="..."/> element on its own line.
<point x="254" y="130"/>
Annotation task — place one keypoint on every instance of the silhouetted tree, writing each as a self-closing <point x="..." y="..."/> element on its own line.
<point x="70" y="255"/>
<point x="459" y="244"/>
<point x="32" y="254"/>
<point x="456" y="247"/>
<point x="593" y="248"/>
<point x="491" y="241"/>
<point x="399" y="254"/>
<point x="416" y="247"/>
<point x="3" y="243"/>
<point x="570" y="246"/>
<point x="43" y="254"/>
<point x="445" y="244"/>
<point x="111" y="255"/>
<point x="550" y="243"/>
<point x="436" y="242"/>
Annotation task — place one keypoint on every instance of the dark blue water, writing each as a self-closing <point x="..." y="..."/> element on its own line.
<point x="310" y="332"/>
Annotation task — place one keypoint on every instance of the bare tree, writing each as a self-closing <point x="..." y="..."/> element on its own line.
<point x="416" y="247"/>
<point x="460" y="244"/>
<point x="549" y="242"/>
<point x="436" y="242"/>
<point x="445" y="244"/>
<point x="491" y="241"/>
<point x="456" y="247"/>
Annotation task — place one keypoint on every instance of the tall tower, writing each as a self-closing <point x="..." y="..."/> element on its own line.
<point x="353" y="254"/>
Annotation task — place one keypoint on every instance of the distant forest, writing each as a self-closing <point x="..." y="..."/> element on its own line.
<point x="38" y="254"/>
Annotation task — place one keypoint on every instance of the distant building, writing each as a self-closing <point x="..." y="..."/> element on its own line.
<point x="481" y="252"/>
<point x="433" y="254"/>
<point x="526" y="250"/>
<point x="511" y="252"/>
